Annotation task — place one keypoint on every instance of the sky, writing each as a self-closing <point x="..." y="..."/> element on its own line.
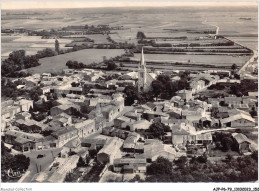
<point x="12" y="4"/>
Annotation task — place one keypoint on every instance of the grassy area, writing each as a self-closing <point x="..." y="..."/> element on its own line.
<point x="86" y="56"/>
<point x="223" y="60"/>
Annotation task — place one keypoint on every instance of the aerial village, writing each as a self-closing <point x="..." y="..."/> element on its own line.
<point x="91" y="133"/>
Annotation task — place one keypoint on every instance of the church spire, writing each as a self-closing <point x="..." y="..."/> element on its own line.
<point x="142" y="58"/>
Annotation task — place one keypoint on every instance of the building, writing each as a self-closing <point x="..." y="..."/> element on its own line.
<point x="129" y="165"/>
<point x="144" y="79"/>
<point x="242" y="143"/>
<point x="156" y="149"/>
<point x="65" y="135"/>
<point x="238" y="121"/>
<point x="140" y="125"/>
<point x="85" y="127"/>
<point x="30" y="125"/>
<point x="184" y="95"/>
<point x="183" y="133"/>
<point x="68" y="109"/>
<point x="25" y="104"/>
<point x="110" y="151"/>
<point x="123" y="122"/>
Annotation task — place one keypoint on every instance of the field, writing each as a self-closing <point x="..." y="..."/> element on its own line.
<point x="31" y="44"/>
<point x="86" y="56"/>
<point x="159" y="23"/>
<point x="223" y="60"/>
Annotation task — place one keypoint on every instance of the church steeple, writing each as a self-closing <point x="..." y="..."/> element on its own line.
<point x="142" y="63"/>
<point x="142" y="73"/>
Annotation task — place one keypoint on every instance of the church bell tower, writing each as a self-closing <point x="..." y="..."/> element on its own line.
<point x="142" y="74"/>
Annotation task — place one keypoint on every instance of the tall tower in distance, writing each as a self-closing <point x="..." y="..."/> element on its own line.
<point x="142" y="74"/>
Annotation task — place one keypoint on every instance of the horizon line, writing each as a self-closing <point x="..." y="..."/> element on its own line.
<point x="25" y="5"/>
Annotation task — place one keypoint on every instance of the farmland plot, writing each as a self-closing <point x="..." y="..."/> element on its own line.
<point x="86" y="56"/>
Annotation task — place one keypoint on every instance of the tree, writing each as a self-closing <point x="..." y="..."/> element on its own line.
<point x="160" y="167"/>
<point x="227" y="143"/>
<point x="111" y="65"/>
<point x="223" y="104"/>
<point x="202" y="158"/>
<point x="158" y="87"/>
<point x="157" y="129"/>
<point x="140" y="35"/>
<point x="234" y="67"/>
<point x="81" y="162"/>
<point x="253" y="112"/>
<point x="57" y="46"/>
<point x="131" y="95"/>
<point x="181" y="161"/>
<point x="254" y="155"/>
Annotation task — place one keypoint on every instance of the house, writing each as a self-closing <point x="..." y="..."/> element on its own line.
<point x="110" y="111"/>
<point x="154" y="150"/>
<point x="193" y="114"/>
<point x="233" y="100"/>
<point x="61" y="119"/>
<point x="124" y="83"/>
<point x="22" y="141"/>
<point x="129" y="165"/>
<point x="46" y="143"/>
<point x="75" y="90"/>
<point x="85" y="127"/>
<point x="68" y="109"/>
<point x="253" y="94"/>
<point x="9" y="111"/>
<point x="152" y="115"/>
<point x="238" y="121"/>
<point x="203" y="139"/>
<point x="173" y="122"/>
<point x="133" y="115"/>
<point x="130" y="142"/>
<point x="244" y="107"/>
<point x="75" y="98"/>
<point x="95" y="143"/>
<point x="183" y="133"/>
<point x="140" y="125"/>
<point x="110" y="151"/>
<point x="123" y="122"/>
<point x="65" y="135"/>
<point x="185" y="94"/>
<point x="73" y="145"/>
<point x="197" y="85"/>
<point x="242" y="143"/>
<point x="107" y="130"/>
<point x="45" y="90"/>
<point x="178" y="101"/>
<point x="30" y="125"/>
<point x="25" y="104"/>
<point x="23" y="115"/>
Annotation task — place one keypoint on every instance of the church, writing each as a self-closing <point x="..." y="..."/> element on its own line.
<point x="144" y="79"/>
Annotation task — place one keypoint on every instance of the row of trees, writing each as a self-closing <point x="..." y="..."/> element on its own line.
<point x="246" y="85"/>
<point x="75" y="65"/>
<point x="17" y="61"/>
<point x="200" y="169"/>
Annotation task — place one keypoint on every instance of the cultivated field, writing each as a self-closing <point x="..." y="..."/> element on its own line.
<point x="86" y="56"/>
<point x="31" y="44"/>
<point x="223" y="60"/>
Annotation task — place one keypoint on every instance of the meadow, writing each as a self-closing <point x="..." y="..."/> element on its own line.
<point x="223" y="60"/>
<point x="31" y="44"/>
<point x="86" y="56"/>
